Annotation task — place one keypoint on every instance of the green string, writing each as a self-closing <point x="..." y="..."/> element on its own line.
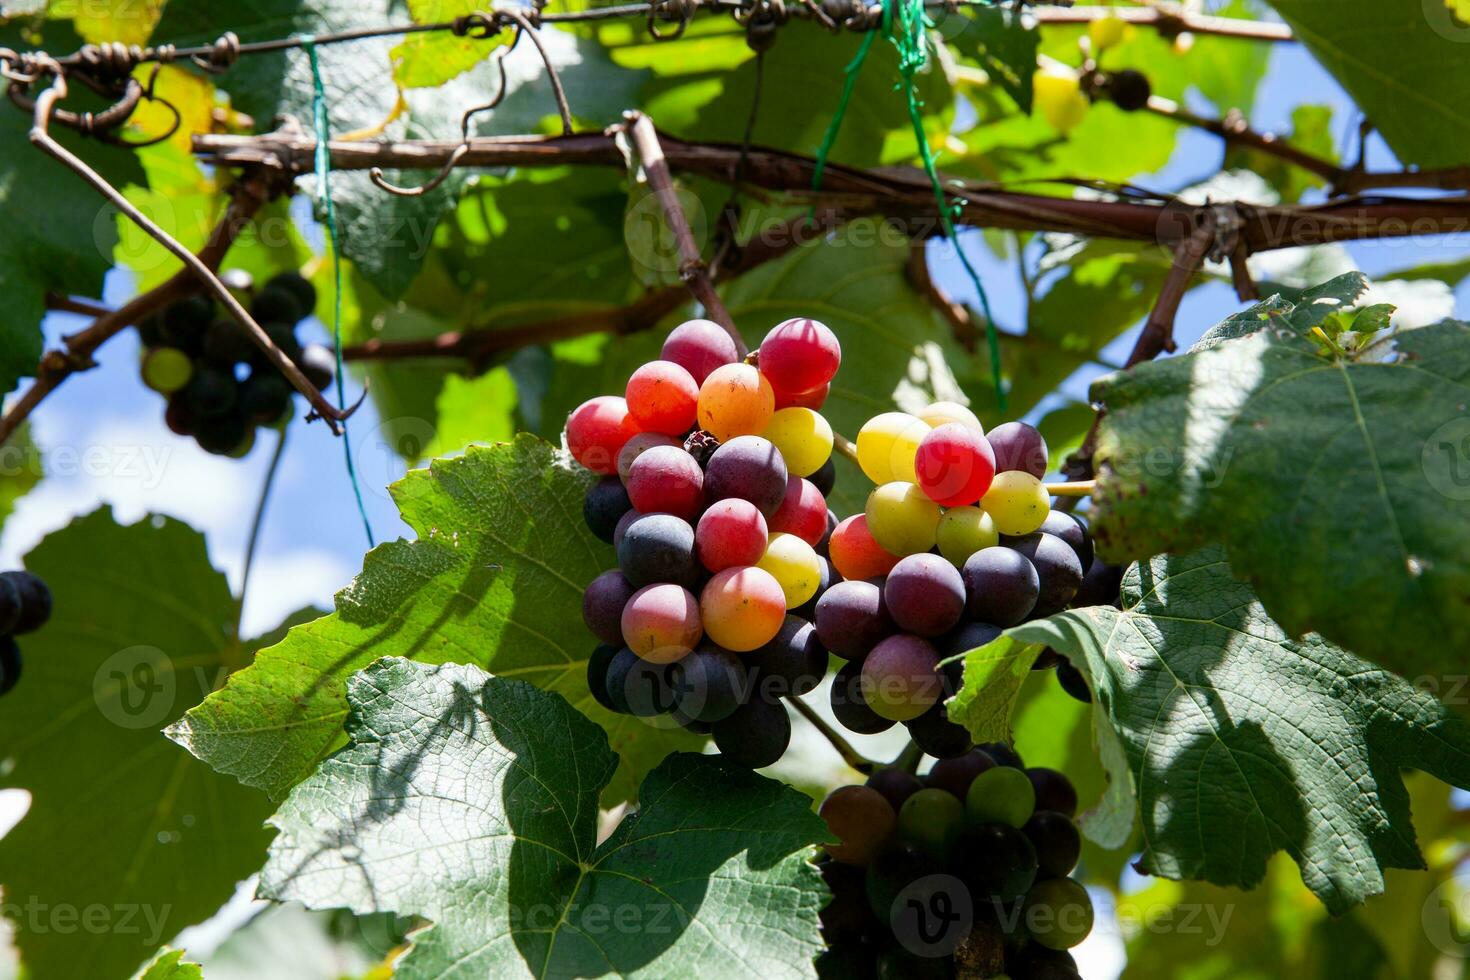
<point x="323" y="161"/>
<point x="913" y="54"/>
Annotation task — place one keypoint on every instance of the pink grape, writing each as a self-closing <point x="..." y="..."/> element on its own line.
<point x="661" y="623"/>
<point x="803" y="511"/>
<point x="800" y="355"/>
<point x="663" y="397"/>
<point x="731" y="533"/>
<point x="954" y="464"/>
<point x="666" y="480"/>
<point x="637" y="446"/>
<point x="597" y="431"/>
<point x="700" y="346"/>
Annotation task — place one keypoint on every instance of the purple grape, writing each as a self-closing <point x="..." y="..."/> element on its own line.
<point x="1101" y="585"/>
<point x="602" y="606"/>
<point x="605" y="504"/>
<point x="1018" y="446"/>
<point x="1058" y="571"/>
<point x="938" y="736"/>
<point x="750" y="468"/>
<point x="1002" y="586"/>
<point x="597" y="667"/>
<point x="659" y="548"/>
<point x="755" y="735"/>
<point x="852" y="619"/>
<point x="709" y="684"/>
<point x="793" y="663"/>
<point x="849" y="704"/>
<point x="825" y="477"/>
<point x="895" y="785"/>
<point x="925" y="595"/>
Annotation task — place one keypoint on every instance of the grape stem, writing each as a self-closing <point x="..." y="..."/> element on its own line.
<point x="850" y="755"/>
<point x="844" y="446"/>
<point x="1079" y="488"/>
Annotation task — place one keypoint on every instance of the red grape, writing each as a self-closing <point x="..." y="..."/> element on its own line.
<point x="955" y="465"/>
<point x="597" y="431"/>
<point x="666" y="480"/>
<point x="861" y="818"/>
<point x="637" y="446"/>
<point x="855" y="554"/>
<point x="662" y="397"/>
<point x="803" y="511"/>
<point x="731" y="533"/>
<point x="813" y="399"/>
<point x="799" y="355"/>
<point x="700" y="346"/>
<point x="661" y="623"/>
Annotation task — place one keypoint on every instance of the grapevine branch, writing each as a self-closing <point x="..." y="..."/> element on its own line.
<point x="850" y="755"/>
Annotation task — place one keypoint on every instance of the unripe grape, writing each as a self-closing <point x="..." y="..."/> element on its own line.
<point x="1106" y="32"/>
<point x="1018" y="446"/>
<point x="167" y="369"/>
<point x="925" y="595"/>
<point x="700" y="346"/>
<point x="954" y="776"/>
<point x="748" y="468"/>
<point x="901" y="678"/>
<point x="954" y="465"/>
<point x="603" y="604"/>
<point x="1017" y="502"/>
<point x="942" y="413"/>
<point x="886" y="445"/>
<point x="1001" y="795"/>
<point x="730" y="534"/>
<point x="855" y="554"/>
<point x="666" y="480"/>
<point x="661" y="623"/>
<point x="1058" y="913"/>
<point x="742" y="608"/>
<point x="1058" y="94"/>
<point x="637" y="446"/>
<point x="793" y="563"/>
<point x="803" y="512"/>
<point x="735" y="400"/>
<point x="933" y="820"/>
<point x="902" y="519"/>
<point x="896" y="785"/>
<point x="862" y="821"/>
<point x="597" y="430"/>
<point x="799" y="355"/>
<point x="662" y="397"/>
<point x="963" y="531"/>
<point x="803" y="437"/>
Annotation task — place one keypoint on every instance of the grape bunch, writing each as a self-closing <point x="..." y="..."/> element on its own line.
<point x="25" y="606"/>
<point x="963" y="871"/>
<point x="220" y="386"/>
<point x="715" y="471"/>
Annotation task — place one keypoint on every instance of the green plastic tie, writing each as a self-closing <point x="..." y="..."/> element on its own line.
<point x="323" y="160"/>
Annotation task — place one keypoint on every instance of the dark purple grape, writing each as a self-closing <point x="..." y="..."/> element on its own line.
<point x="793" y="663"/>
<point x="222" y="434"/>
<point x="10" y="664"/>
<point x="825" y="478"/>
<point x="265" y="398"/>
<point x="755" y="735"/>
<point x="1058" y="571"/>
<point x="659" y="548"/>
<point x="602" y="606"/>
<point x="604" y="506"/>
<point x="955" y="775"/>
<point x="1101" y="586"/>
<point x="1002" y="586"/>
<point x="1018" y="446"/>
<point x="1003" y="754"/>
<point x="597" y="668"/>
<point x="1057" y="842"/>
<point x="1054" y="791"/>
<point x="1070" y="529"/>
<point x="1074" y="683"/>
<point x="852" y="619"/>
<point x="319" y="363"/>
<point x="211" y="392"/>
<point x="969" y="636"/>
<point x="847" y="916"/>
<point x="824" y="546"/>
<point x="750" y="468"/>
<point x="897" y="865"/>
<point x="279" y="303"/>
<point x="938" y="736"/>
<point x="710" y="684"/>
<point x="182" y="324"/>
<point x="622" y="527"/>
<point x="925" y="595"/>
<point x="10" y="606"/>
<point x="226" y="344"/>
<point x="639" y="687"/>
<point x="997" y="861"/>
<point x="1046" y="659"/>
<point x="896" y="785"/>
<point x="849" y="705"/>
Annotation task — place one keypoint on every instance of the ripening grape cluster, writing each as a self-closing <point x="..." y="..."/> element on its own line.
<point x="25" y="606"/>
<point x="715" y="473"/>
<point x="220" y="386"/>
<point x="964" y="871"/>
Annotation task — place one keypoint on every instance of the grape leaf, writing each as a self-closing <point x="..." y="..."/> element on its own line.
<point x="21" y="468"/>
<point x="429" y="59"/>
<point x="124" y="827"/>
<point x="1004" y="42"/>
<point x="491" y="786"/>
<point x="1406" y="69"/>
<point x="1327" y="477"/>
<point x="1240" y="741"/>
<point x="170" y="965"/>
<point x="495" y="578"/>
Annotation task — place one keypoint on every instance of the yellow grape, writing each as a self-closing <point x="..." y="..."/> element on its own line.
<point x="803" y="437"/>
<point x="964" y="531"/>
<point x="1106" y="32"/>
<point x="902" y="518"/>
<point x="735" y="400"/>
<point x="1017" y="502"/>
<point x="794" y="565"/>
<point x="1060" y="99"/>
<point x="939" y="413"/>
<point x="886" y="446"/>
<point x="742" y="609"/>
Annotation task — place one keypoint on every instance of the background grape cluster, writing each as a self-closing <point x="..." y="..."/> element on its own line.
<point x="220" y="386"/>
<point x="25" y="606"/>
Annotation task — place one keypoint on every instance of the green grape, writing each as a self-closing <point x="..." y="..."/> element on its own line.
<point x="902" y="519"/>
<point x="803" y="437"/>
<point x="1001" y="796"/>
<point x="167" y="369"/>
<point x="1058" y="913"/>
<point x="886" y="446"/>
<point x="933" y="820"/>
<point x="794" y="565"/>
<point x="1017" y="502"/>
<point x="963" y="531"/>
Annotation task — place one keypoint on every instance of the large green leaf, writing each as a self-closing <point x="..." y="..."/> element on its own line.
<point x="1329" y="478"/>
<point x="472" y="801"/>
<point x="123" y="827"/>
<point x="431" y="58"/>
<point x="21" y="468"/>
<point x="1240" y="741"/>
<point x="495" y="578"/>
<point x="1403" y="63"/>
<point x="1003" y="41"/>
